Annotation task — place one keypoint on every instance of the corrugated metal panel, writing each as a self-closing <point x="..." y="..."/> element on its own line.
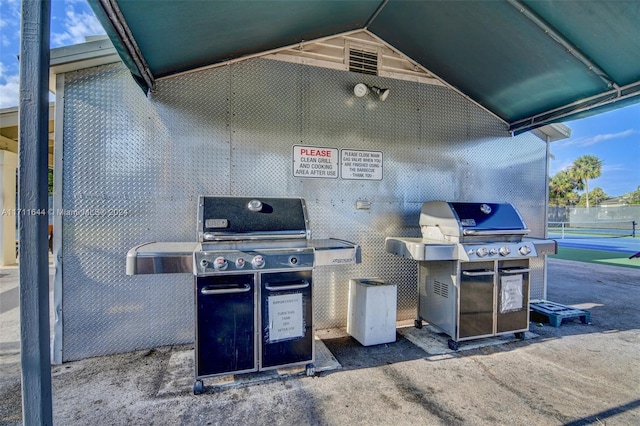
<point x="230" y="131"/>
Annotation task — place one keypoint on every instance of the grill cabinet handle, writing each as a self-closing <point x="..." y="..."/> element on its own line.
<point x="208" y="290"/>
<point x="478" y="273"/>
<point x="304" y="284"/>
<point x="515" y="271"/>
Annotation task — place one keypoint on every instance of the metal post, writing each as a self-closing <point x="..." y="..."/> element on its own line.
<point x="32" y="202"/>
<point x="634" y="223"/>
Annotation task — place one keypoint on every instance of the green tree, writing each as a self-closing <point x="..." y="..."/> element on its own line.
<point x="585" y="168"/>
<point x="560" y="185"/>
<point x="597" y="196"/>
<point x="634" y="196"/>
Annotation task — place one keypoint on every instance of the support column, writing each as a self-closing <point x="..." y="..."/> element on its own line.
<point x="33" y="141"/>
<point x="8" y="165"/>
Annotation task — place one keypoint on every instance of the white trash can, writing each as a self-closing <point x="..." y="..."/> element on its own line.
<point x="372" y="311"/>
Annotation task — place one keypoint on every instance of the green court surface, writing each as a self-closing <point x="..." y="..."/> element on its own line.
<point x="596" y="256"/>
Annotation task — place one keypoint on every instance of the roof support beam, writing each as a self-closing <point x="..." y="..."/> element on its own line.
<point x="561" y="40"/>
<point x="7" y="144"/>
<point x="119" y="24"/>
<point x="629" y="91"/>
<point x="375" y="14"/>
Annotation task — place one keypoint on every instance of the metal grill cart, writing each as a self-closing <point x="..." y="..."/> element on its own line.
<point x="253" y="282"/>
<point x="473" y="268"/>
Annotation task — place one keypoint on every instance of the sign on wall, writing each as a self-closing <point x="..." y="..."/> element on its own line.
<point x="323" y="162"/>
<point x="363" y="165"/>
<point x="315" y="162"/>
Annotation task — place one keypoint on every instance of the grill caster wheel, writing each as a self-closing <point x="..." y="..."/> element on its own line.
<point x="519" y="335"/>
<point x="453" y="345"/>
<point x="198" y="387"/>
<point x="310" y="370"/>
<point x="418" y="323"/>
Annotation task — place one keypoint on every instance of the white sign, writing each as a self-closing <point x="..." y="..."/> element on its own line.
<point x="285" y="317"/>
<point x="315" y="162"/>
<point x="511" y="295"/>
<point x="362" y="165"/>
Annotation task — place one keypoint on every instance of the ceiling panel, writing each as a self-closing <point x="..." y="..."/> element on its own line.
<point x="528" y="62"/>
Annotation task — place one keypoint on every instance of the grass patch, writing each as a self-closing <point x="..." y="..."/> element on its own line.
<point x="595" y="256"/>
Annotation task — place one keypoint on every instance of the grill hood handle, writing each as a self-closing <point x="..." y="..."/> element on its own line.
<point x="472" y="232"/>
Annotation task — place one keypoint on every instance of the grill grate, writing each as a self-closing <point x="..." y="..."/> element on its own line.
<point x="362" y="61"/>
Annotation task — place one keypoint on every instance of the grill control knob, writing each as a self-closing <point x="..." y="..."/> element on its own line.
<point x="482" y="252"/>
<point x="204" y="263"/>
<point x="220" y="264"/>
<point x="493" y="251"/>
<point x="524" y="250"/>
<point x="504" y="251"/>
<point x="258" y="262"/>
<point x="240" y="262"/>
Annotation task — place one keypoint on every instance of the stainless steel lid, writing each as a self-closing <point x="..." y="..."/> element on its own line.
<point x="250" y="218"/>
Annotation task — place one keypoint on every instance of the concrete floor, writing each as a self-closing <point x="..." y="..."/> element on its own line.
<point x="575" y="374"/>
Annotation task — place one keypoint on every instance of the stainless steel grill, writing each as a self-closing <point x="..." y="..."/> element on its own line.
<point x="473" y="268"/>
<point x="253" y="284"/>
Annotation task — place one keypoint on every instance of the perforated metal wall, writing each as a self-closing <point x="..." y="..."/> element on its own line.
<point x="139" y="164"/>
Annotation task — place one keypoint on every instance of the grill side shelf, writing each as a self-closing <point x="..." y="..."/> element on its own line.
<point x="421" y="249"/>
<point x="161" y="258"/>
<point x="333" y="251"/>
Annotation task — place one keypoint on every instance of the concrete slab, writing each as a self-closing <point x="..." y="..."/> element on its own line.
<point x="434" y="342"/>
<point x="576" y="374"/>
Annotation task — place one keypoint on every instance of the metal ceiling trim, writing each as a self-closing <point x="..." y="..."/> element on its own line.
<point x="571" y="48"/>
<point x="628" y="91"/>
<point x="376" y="13"/>
<point x="119" y="23"/>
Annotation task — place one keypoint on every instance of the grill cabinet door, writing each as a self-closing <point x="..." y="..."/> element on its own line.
<point x="287" y="318"/>
<point x="476" y="301"/>
<point x="225" y="324"/>
<point x="513" y="296"/>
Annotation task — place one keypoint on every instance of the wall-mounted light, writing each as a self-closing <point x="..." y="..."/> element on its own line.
<point x="362" y="89"/>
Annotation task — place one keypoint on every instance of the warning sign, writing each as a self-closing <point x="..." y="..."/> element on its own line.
<point x="363" y="165"/>
<point x="315" y="162"/>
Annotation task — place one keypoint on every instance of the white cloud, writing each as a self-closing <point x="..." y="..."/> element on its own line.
<point x="593" y="140"/>
<point x="12" y="10"/>
<point x="8" y="88"/>
<point x="77" y="27"/>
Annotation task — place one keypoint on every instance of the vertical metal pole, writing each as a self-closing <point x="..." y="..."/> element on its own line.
<point x="32" y="202"/>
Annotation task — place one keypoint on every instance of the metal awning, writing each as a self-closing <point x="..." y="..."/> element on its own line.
<point x="528" y="62"/>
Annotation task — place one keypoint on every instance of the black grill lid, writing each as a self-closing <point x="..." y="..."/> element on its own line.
<point x="237" y="218"/>
<point x="487" y="216"/>
<point x="471" y="222"/>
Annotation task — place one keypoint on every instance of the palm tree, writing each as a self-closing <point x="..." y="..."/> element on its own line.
<point x="560" y="186"/>
<point x="585" y="168"/>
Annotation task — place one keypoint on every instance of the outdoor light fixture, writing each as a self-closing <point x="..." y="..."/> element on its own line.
<point x="362" y="89"/>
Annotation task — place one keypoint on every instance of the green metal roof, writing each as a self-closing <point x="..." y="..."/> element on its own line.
<point x="529" y="62"/>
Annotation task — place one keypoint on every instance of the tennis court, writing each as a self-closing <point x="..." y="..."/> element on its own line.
<point x="597" y="246"/>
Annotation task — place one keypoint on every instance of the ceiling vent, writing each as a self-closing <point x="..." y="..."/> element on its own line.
<point x="363" y="61"/>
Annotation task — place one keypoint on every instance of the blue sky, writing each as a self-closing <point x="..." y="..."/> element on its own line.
<point x="614" y="137"/>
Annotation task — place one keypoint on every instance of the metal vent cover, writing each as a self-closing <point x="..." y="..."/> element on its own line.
<point x="364" y="61"/>
<point x="441" y="289"/>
